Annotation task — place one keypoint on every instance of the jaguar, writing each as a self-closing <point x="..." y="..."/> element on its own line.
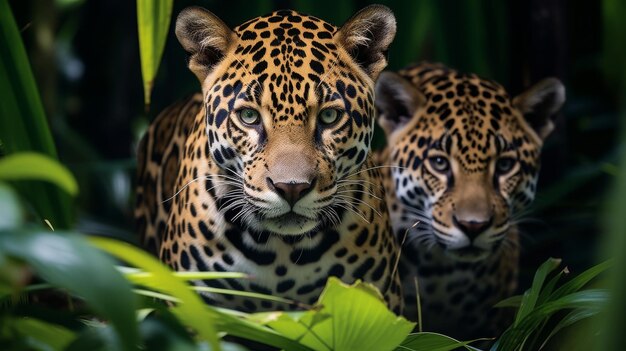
<point x="268" y="171"/>
<point x="461" y="165"/>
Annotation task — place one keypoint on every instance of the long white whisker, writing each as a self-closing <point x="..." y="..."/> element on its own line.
<point x="351" y="198"/>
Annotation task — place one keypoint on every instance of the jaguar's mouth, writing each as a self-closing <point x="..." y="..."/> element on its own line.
<point x="469" y="253"/>
<point x="290" y="223"/>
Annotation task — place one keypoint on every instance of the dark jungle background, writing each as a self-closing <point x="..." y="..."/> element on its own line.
<point x="85" y="58"/>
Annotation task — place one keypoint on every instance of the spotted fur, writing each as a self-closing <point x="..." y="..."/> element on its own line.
<point x="286" y="197"/>
<point x="464" y="162"/>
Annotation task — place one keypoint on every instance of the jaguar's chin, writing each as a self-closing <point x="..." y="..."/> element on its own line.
<point x="290" y="223"/>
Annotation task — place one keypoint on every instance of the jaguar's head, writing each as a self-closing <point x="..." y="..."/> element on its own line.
<point x="289" y="108"/>
<point x="467" y="154"/>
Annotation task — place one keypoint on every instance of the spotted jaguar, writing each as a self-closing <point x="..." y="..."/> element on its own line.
<point x="269" y="171"/>
<point x="461" y="164"/>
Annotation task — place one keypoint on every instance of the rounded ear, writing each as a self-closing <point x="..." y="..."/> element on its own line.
<point x="396" y="100"/>
<point x="205" y="38"/>
<point x="367" y="36"/>
<point x="539" y="103"/>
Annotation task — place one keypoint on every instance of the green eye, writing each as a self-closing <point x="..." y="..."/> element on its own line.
<point x="329" y="115"/>
<point x="249" y="116"/>
<point x="504" y="165"/>
<point x="439" y="164"/>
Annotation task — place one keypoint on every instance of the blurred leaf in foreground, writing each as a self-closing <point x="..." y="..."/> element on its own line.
<point x="67" y="261"/>
<point x="34" y="166"/>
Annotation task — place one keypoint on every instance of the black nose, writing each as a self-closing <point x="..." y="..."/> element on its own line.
<point x="292" y="191"/>
<point x="472" y="228"/>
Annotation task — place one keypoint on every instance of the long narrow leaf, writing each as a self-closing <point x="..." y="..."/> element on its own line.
<point x="549" y="287"/>
<point x="23" y="125"/>
<point x="153" y="22"/>
<point x="433" y="342"/>
<point x="35" y="166"/>
<point x="530" y="296"/>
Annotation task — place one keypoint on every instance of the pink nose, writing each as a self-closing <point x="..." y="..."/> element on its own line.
<point x="292" y="192"/>
<point x="472" y="228"/>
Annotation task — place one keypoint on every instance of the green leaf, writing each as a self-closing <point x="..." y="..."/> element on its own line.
<point x="581" y="280"/>
<point x="530" y="296"/>
<point x="432" y="342"/>
<point x="67" y="261"/>
<point x="34" y="166"/>
<point x="513" y="301"/>
<point x="549" y="287"/>
<point x="153" y="22"/>
<point x="349" y="318"/>
<point x="41" y="335"/>
<point x="23" y="125"/>
<point x="231" y="322"/>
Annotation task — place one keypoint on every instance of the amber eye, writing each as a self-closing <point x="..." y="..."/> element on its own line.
<point x="249" y="116"/>
<point x="329" y="115"/>
<point x="504" y="165"/>
<point x="439" y="164"/>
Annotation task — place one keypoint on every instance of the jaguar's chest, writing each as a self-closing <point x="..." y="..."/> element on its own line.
<point x="295" y="269"/>
<point x="457" y="298"/>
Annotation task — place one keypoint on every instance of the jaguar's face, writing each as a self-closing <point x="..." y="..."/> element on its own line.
<point x="468" y="161"/>
<point x="289" y="111"/>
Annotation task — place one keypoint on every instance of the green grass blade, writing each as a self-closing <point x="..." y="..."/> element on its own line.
<point x="153" y="22"/>
<point x="247" y="294"/>
<point x="67" y="261"/>
<point x="549" y="287"/>
<point x="530" y="296"/>
<point x="34" y="166"/>
<point x="23" y="125"/>
<point x="137" y="276"/>
<point x="192" y="311"/>
<point x="433" y="342"/>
